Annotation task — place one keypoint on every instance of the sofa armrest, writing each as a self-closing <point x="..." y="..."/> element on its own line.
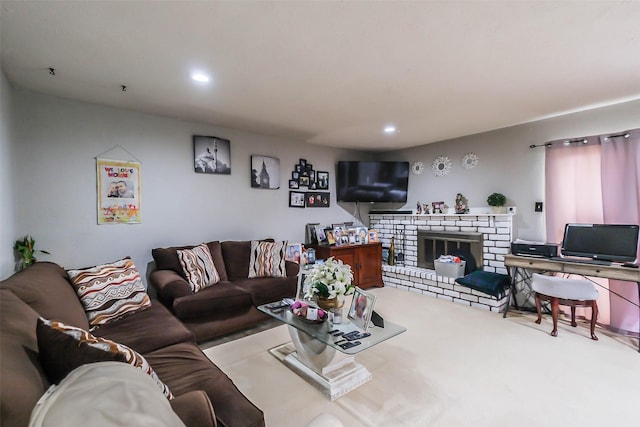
<point x="194" y="409"/>
<point x="292" y="268"/>
<point x="169" y="285"/>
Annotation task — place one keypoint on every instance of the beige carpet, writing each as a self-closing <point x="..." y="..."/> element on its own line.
<point x="455" y="366"/>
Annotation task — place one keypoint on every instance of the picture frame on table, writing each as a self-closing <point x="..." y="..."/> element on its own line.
<point x="310" y="234"/>
<point x="331" y="238"/>
<point x="361" y="308"/>
<point x="296" y="199"/>
<point x="321" y="235"/>
<point x="362" y="235"/>
<point x="293" y="252"/>
<point x="373" y="236"/>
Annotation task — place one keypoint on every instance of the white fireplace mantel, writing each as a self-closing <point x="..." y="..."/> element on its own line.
<point x="497" y="230"/>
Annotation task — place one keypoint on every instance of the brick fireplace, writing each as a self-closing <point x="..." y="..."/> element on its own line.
<point x="487" y="236"/>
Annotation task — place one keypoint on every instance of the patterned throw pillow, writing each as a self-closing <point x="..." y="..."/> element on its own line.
<point x="59" y="343"/>
<point x="198" y="266"/>
<point x="267" y="259"/>
<point x="109" y="291"/>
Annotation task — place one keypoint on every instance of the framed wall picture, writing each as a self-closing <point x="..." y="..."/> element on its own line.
<point x="265" y="172"/>
<point x="296" y="199"/>
<point x="119" y="189"/>
<point x="211" y="155"/>
<point x="317" y="200"/>
<point x="293" y="183"/>
<point x="361" y="308"/>
<point x="322" y="180"/>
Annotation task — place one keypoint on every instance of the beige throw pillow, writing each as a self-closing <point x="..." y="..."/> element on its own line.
<point x="110" y="291"/>
<point x="198" y="267"/>
<point x="267" y="259"/>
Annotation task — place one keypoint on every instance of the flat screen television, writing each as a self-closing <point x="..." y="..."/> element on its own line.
<point x="607" y="242"/>
<point x="370" y="181"/>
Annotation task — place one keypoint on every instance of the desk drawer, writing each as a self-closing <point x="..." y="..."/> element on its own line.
<point x="609" y="272"/>
<point x="533" y="263"/>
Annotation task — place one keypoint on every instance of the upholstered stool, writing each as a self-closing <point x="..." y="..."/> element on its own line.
<point x="570" y="292"/>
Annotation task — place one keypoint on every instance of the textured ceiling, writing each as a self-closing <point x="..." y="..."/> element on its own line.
<point x="331" y="73"/>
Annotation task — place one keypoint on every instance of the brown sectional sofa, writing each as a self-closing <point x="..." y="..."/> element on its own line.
<point x="204" y="395"/>
<point x="229" y="305"/>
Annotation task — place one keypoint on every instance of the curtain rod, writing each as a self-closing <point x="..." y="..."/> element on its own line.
<point x="625" y="134"/>
<point x="566" y="142"/>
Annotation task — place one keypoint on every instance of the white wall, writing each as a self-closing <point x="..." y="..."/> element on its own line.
<point x="506" y="163"/>
<point x="51" y="143"/>
<point x="55" y="183"/>
<point x="7" y="200"/>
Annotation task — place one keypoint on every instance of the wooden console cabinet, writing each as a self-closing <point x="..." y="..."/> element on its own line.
<point x="365" y="261"/>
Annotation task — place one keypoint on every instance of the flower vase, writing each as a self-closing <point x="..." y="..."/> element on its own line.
<point x="328" y="304"/>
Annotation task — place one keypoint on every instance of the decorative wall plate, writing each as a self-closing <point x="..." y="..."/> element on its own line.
<point x="469" y="161"/>
<point x="417" y="168"/>
<point x="441" y="166"/>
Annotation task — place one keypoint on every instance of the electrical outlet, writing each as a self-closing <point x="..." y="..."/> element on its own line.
<point x="538" y="206"/>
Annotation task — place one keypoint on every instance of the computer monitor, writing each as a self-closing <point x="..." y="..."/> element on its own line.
<point x="608" y="242"/>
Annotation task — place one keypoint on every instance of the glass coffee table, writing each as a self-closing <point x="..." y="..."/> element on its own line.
<point x="315" y="351"/>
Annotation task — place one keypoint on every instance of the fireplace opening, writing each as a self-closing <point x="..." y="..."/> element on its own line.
<point x="433" y="244"/>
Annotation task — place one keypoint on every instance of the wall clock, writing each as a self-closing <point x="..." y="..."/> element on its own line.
<point x="441" y="166"/>
<point x="469" y="161"/>
<point x="417" y="168"/>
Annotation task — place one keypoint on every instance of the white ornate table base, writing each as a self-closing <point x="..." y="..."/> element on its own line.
<point x="331" y="372"/>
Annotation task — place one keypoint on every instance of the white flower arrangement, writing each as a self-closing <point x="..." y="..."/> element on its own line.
<point x="330" y="279"/>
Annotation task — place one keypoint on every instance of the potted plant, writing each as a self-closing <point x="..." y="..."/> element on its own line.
<point x="25" y="247"/>
<point x="497" y="202"/>
<point x="329" y="282"/>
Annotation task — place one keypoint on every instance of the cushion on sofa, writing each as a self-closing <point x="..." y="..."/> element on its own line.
<point x="147" y="330"/>
<point x="198" y="267"/>
<point x="224" y="297"/>
<point x="269" y="289"/>
<point x="76" y="350"/>
<point x="45" y="287"/>
<point x="106" y="394"/>
<point x="236" y="255"/>
<point x="184" y="367"/>
<point x="167" y="258"/>
<point x="267" y="259"/>
<point x="61" y="353"/>
<point x="110" y="291"/>
<point x="22" y="378"/>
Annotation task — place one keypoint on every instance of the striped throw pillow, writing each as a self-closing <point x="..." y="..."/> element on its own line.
<point x="267" y="259"/>
<point x="84" y="341"/>
<point x="198" y="267"/>
<point x="109" y="291"/>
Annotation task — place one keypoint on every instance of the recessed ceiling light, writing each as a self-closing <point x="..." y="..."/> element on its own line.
<point x="200" y="77"/>
<point x="389" y="129"/>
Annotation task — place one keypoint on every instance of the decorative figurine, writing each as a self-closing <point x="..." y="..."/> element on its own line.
<point x="418" y="208"/>
<point x="461" y="204"/>
<point x="425" y="209"/>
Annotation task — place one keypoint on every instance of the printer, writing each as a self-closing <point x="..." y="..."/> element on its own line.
<point x="535" y="249"/>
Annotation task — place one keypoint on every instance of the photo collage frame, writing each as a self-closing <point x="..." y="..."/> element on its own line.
<point x="308" y="187"/>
